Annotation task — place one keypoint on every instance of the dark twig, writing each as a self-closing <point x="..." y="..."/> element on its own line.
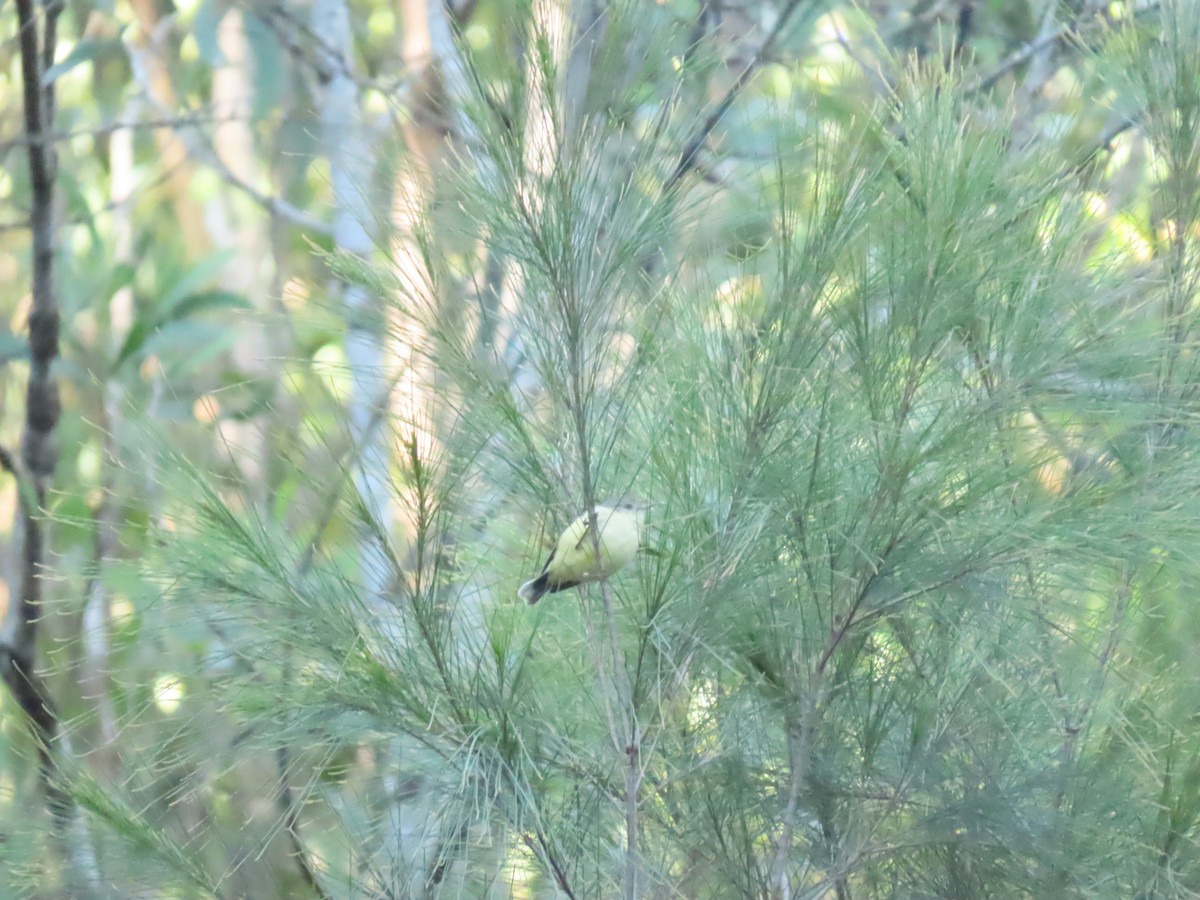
<point x="1043" y="42"/>
<point x="30" y="692"/>
<point x="291" y="822"/>
<point x="1021" y="55"/>
<point x="201" y="150"/>
<point x="963" y="25"/>
<point x="288" y="27"/>
<point x="1103" y="144"/>
<point x="542" y="847"/>
<point x="687" y="158"/>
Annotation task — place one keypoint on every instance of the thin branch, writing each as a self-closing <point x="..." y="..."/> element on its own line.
<point x="328" y="61"/>
<point x="628" y="737"/>
<point x="29" y="690"/>
<point x="201" y="151"/>
<point x="1073" y="725"/>
<point x="688" y="157"/>
<point x="309" y="48"/>
<point x="797" y="749"/>
<point x="106" y="129"/>
<point x="291" y="823"/>
<point x="1031" y="49"/>
<point x="1021" y="55"/>
<point x="1039" y="69"/>
<point x="552" y="861"/>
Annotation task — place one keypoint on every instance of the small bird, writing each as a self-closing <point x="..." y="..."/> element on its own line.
<point x="573" y="561"/>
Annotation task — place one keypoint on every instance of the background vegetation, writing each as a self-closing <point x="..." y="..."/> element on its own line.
<point x="888" y="310"/>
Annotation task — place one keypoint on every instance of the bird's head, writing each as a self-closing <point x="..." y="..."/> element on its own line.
<point x="626" y="503"/>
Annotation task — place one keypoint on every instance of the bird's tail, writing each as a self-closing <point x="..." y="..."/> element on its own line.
<point x="532" y="591"/>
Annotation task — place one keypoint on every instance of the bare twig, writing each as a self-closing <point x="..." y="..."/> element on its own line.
<point x="313" y="51"/>
<point x="106" y="129"/>
<point x="1021" y="55"/>
<point x="1039" y="68"/>
<point x="687" y="158"/>
<point x="626" y="730"/>
<point x="1074" y="724"/>
<point x="542" y="847"/>
<point x="1037" y="46"/>
<point x="201" y="151"/>
<point x="328" y="61"/>
<point x="291" y="823"/>
<point x="113" y="205"/>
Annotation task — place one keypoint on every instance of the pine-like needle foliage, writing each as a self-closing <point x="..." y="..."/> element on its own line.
<point x="915" y="618"/>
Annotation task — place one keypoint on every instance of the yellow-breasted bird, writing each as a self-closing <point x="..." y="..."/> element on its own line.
<point x="573" y="561"/>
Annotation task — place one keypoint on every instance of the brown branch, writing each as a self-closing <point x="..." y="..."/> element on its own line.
<point x="797" y="751"/>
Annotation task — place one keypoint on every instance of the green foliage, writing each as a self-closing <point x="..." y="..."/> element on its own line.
<point x="910" y="397"/>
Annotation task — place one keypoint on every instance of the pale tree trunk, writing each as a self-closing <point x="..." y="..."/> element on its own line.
<point x="408" y="815"/>
<point x="411" y="193"/>
<point x="421" y="855"/>
<point x="254" y="272"/>
<point x="233" y="224"/>
<point x="441" y="87"/>
<point x="96" y="611"/>
<point x="351" y="167"/>
<point x="146" y="53"/>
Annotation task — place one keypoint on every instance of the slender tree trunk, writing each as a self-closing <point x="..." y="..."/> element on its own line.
<point x="96" y="612"/>
<point x="18" y="641"/>
<point x="351" y="172"/>
<point x="249" y="270"/>
<point x="351" y="166"/>
<point x="38" y="454"/>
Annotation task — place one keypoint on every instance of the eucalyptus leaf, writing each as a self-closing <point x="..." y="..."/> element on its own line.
<point x="12" y="347"/>
<point x="83" y="52"/>
<point x="205" y="25"/>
